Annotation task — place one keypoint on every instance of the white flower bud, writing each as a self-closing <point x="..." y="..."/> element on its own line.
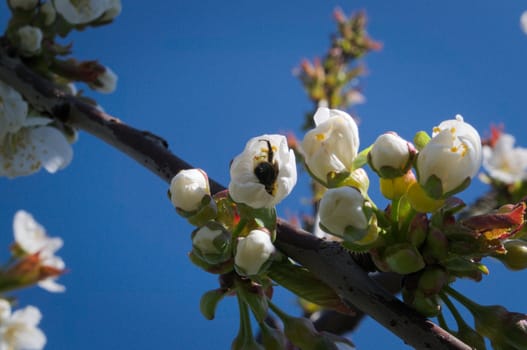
<point x="30" y="39"/>
<point x="451" y="158"/>
<point x="49" y="13"/>
<point x="341" y="211"/>
<point x="252" y="252"/>
<point x="391" y="156"/>
<point x="212" y="243"/>
<point x="80" y="11"/>
<point x="23" y="4"/>
<point x="332" y="145"/>
<point x="264" y="173"/>
<point x="106" y="82"/>
<point x="188" y="188"/>
<point x="504" y="162"/>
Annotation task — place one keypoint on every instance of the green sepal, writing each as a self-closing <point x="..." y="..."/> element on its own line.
<point x="362" y="158"/>
<point x="421" y="139"/>
<point x="403" y="258"/>
<point x="262" y="217"/>
<point x="219" y="269"/>
<point x="434" y="187"/>
<point x="254" y="296"/>
<point x="335" y="180"/>
<point x="272" y="338"/>
<point x="304" y="284"/>
<point x="209" y="301"/>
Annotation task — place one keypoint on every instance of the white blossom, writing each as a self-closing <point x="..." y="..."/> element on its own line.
<point x="253" y="251"/>
<point x="264" y="173"/>
<point x="188" y="188"/>
<point x="18" y="330"/>
<point x="332" y="145"/>
<point x="342" y="208"/>
<point x="504" y="162"/>
<point x="34" y="145"/>
<point x="204" y="238"/>
<point x="391" y="154"/>
<point x="106" y="82"/>
<point x="13" y="110"/>
<point x="452" y="156"/>
<point x="31" y="237"/>
<point x="30" y="39"/>
<point x="81" y="11"/>
<point x="23" y="4"/>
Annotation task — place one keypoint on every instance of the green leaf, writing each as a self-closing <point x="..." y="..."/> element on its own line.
<point x="304" y="284"/>
<point x="209" y="301"/>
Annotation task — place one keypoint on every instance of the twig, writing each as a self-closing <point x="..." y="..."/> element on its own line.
<point x="328" y="260"/>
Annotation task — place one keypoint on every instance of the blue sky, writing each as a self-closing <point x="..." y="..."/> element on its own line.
<point x="209" y="75"/>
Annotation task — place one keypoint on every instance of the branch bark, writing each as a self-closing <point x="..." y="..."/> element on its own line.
<point x="328" y="260"/>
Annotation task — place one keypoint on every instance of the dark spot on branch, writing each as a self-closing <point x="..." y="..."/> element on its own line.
<point x="393" y="323"/>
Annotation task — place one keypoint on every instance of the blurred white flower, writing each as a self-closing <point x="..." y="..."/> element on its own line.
<point x="49" y="12"/>
<point x="451" y="158"/>
<point x="332" y="145"/>
<point x="504" y="162"/>
<point x="30" y="39"/>
<point x="18" y="330"/>
<point x="81" y="11"/>
<point x="32" y="146"/>
<point x="523" y="22"/>
<point x="341" y="209"/>
<point x="391" y="155"/>
<point x="253" y="251"/>
<point x="188" y="188"/>
<point x="23" y="4"/>
<point x="13" y="110"/>
<point x="264" y="173"/>
<point x="113" y="10"/>
<point x="31" y="237"/>
<point x="106" y="82"/>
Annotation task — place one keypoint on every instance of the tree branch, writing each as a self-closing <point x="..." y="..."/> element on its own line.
<point x="328" y="260"/>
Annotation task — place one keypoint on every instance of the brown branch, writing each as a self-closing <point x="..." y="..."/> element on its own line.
<point x="328" y="260"/>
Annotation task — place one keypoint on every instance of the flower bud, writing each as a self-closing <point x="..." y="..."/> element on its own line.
<point x="516" y="256"/>
<point x="450" y="160"/>
<point x="341" y="213"/>
<point x="253" y="253"/>
<point x="80" y="12"/>
<point x="432" y="281"/>
<point x="30" y="40"/>
<point x="264" y="173"/>
<point x="189" y="189"/>
<point x="391" y="156"/>
<point x="403" y="258"/>
<point x="49" y="13"/>
<point x="330" y="148"/>
<point x="212" y="243"/>
<point x="395" y="188"/>
<point x="106" y="82"/>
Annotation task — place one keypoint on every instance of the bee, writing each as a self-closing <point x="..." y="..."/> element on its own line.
<point x="267" y="171"/>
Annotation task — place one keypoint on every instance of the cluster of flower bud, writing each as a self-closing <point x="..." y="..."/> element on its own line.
<point x="30" y="140"/>
<point x="236" y="228"/>
<point x="328" y="80"/>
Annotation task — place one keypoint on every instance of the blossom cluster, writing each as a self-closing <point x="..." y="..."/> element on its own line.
<point x="30" y="139"/>
<point x="230" y="230"/>
<point x="33" y="261"/>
